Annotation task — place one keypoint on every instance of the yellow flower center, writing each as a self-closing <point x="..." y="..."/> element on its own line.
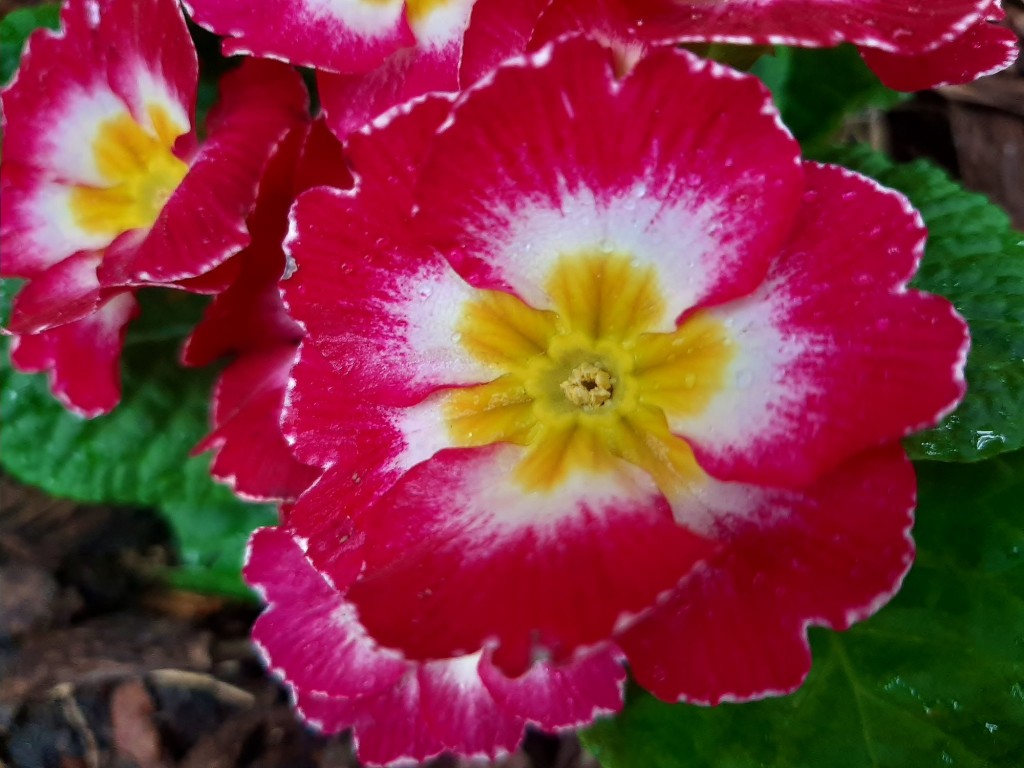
<point x="588" y="386"/>
<point x="141" y="173"/>
<point x="588" y="382"/>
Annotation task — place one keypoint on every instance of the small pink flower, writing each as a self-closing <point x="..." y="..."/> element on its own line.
<point x="248" y="321"/>
<point x="105" y="185"/>
<point x="597" y="362"/>
<point x="399" y="709"/>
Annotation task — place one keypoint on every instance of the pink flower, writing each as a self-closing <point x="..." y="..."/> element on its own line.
<point x="597" y="362"/>
<point x="370" y="55"/>
<point x="248" y="321"/>
<point x="400" y="709"/>
<point x="105" y="186"/>
<point x="911" y="47"/>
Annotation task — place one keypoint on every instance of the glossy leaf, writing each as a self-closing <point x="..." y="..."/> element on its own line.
<point x="974" y="258"/>
<point x="139" y="453"/>
<point x="934" y="679"/>
<point x="816" y="88"/>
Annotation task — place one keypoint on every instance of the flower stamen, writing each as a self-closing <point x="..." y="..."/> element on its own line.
<point x="588" y="386"/>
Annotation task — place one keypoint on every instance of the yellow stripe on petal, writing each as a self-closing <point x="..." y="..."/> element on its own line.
<point x="417" y="10"/>
<point x="499" y="329"/>
<point x="561" y="449"/>
<point x="141" y="170"/>
<point x="605" y="295"/>
<point x="680" y="372"/>
<point x="498" y="412"/>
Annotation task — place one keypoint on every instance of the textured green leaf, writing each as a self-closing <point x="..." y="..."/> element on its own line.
<point x="15" y="29"/>
<point x="974" y="258"/>
<point x="139" y="453"/>
<point x="936" y="678"/>
<point x="212" y="542"/>
<point x="816" y="88"/>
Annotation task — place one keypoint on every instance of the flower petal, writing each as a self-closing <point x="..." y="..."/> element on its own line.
<point x="308" y="634"/>
<point x="340" y="35"/>
<point x="81" y="357"/>
<point x="381" y="307"/>
<point x="889" y="25"/>
<point x="458" y="555"/>
<point x="64" y="293"/>
<point x="402" y="710"/>
<point x="203" y="222"/>
<point x="251" y="453"/>
<point x="829" y="555"/>
<point x="682" y="165"/>
<point x="130" y="59"/>
<point x="984" y="48"/>
<point x="832" y="354"/>
<point x="352" y="101"/>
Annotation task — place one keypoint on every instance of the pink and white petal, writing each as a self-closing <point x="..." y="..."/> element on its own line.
<point x="68" y="83"/>
<point x="388" y="729"/>
<point x="251" y="454"/>
<point x="683" y="166"/>
<point x="336" y="35"/>
<point x="983" y="49"/>
<point x="889" y="25"/>
<point x="381" y="308"/>
<point x="37" y="227"/>
<point x="365" y="449"/>
<point x="497" y="30"/>
<point x="308" y="634"/>
<point x="352" y="101"/>
<point x="151" y="58"/>
<point x="62" y="294"/>
<point x="458" y="555"/>
<point x="442" y="706"/>
<point x="829" y="555"/>
<point x="82" y="358"/>
<point x="401" y="710"/>
<point x="832" y="354"/>
<point x="555" y="696"/>
<point x="203" y="222"/>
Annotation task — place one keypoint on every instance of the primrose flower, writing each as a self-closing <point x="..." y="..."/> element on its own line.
<point x="105" y="185"/>
<point x="402" y="709"/>
<point x="596" y="362"/>
<point x="370" y="56"/>
<point x="910" y="46"/>
<point x="249" y="322"/>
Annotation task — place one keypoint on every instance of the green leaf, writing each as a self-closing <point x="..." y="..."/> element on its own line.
<point x="816" y="88"/>
<point x="974" y="258"/>
<point x="139" y="453"/>
<point x="934" y="679"/>
<point x="212" y="543"/>
<point x="15" y="30"/>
